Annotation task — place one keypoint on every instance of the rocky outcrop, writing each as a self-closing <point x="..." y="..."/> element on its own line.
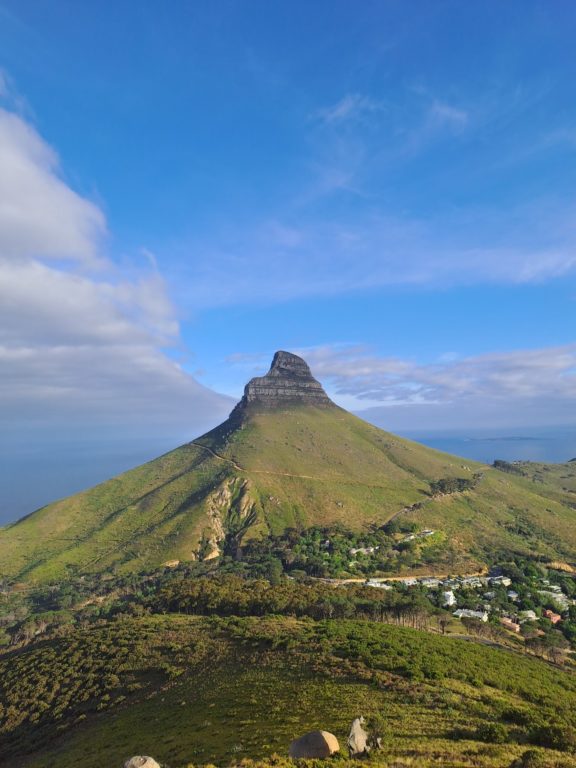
<point x="141" y="761"/>
<point x="231" y="511"/>
<point x="358" y="739"/>
<point x="217" y="505"/>
<point x="316" y="744"/>
<point x="288" y="382"/>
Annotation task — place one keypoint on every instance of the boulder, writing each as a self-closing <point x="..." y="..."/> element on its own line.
<point x="141" y="761"/>
<point x="318" y="744"/>
<point x="358" y="739"/>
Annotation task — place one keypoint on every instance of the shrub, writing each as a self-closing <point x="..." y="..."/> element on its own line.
<point x="555" y="736"/>
<point x="532" y="758"/>
<point x="492" y="732"/>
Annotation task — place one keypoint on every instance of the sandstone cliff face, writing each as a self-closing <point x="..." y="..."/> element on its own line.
<point x="231" y="511"/>
<point x="288" y="382"/>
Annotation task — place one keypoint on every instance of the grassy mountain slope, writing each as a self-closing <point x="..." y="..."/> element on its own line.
<point x="197" y="690"/>
<point x="295" y="466"/>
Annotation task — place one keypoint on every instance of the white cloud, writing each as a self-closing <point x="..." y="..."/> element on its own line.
<point x="521" y="373"/>
<point x="40" y="216"/>
<point x="517" y="389"/>
<point x="81" y="339"/>
<point x="522" y="387"/>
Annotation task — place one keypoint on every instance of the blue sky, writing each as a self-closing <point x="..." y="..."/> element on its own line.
<point x="384" y="187"/>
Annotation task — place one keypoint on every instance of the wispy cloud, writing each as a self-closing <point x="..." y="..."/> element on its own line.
<point x="427" y="121"/>
<point x="446" y="114"/>
<point x="561" y="136"/>
<point x="354" y="370"/>
<point x="352" y="106"/>
<point x="282" y="260"/>
<point x="357" y="219"/>
<point x="521" y="388"/>
<point x="10" y="96"/>
<point x="4" y="85"/>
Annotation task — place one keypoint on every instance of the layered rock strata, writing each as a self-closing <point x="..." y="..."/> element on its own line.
<point x="288" y="382"/>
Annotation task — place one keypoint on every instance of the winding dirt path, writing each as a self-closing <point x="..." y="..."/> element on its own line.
<point x="337" y="479"/>
<point x="219" y="456"/>
<point x="418" y="576"/>
<point x="269" y="471"/>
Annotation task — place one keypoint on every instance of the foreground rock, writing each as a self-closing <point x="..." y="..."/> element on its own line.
<point x="141" y="761"/>
<point x="314" y="744"/>
<point x="358" y="739"/>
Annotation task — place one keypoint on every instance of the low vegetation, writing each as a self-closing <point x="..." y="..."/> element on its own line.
<point x="218" y="668"/>
<point x="220" y="688"/>
<point x="533" y="599"/>
<point x="223" y="599"/>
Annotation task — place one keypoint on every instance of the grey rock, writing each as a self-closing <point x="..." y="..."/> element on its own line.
<point x="288" y="382"/>
<point x="318" y="744"/>
<point x="358" y="739"/>
<point x="141" y="761"/>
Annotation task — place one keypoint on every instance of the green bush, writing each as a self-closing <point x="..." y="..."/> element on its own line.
<point x="492" y="732"/>
<point x="555" y="736"/>
<point x="532" y="758"/>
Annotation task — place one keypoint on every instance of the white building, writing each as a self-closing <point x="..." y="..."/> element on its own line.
<point x="379" y="584"/>
<point x="466" y="613"/>
<point x="430" y="582"/>
<point x="561" y="600"/>
<point x="502" y="580"/>
<point x="363" y="550"/>
<point x="448" y="598"/>
<point x="473" y="581"/>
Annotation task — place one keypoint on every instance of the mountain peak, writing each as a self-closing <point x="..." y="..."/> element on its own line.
<point x="288" y="382"/>
<point x="287" y="363"/>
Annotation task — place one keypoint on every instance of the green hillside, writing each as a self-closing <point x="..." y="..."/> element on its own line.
<point x="193" y="690"/>
<point x="291" y="467"/>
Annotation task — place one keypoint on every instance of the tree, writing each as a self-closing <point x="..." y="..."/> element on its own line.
<point x="274" y="571"/>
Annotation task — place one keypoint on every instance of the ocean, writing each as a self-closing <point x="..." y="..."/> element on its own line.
<point x="553" y="444"/>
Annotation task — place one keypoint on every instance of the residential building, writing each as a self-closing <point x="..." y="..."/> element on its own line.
<point x="507" y="623"/>
<point x="554" y="617"/>
<point x="430" y="582"/>
<point x="379" y="584"/>
<point x="504" y="581"/>
<point x="466" y="613"/>
<point x="557" y="598"/>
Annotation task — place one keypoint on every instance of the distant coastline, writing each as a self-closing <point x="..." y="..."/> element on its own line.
<point x="551" y="444"/>
<point x="508" y="439"/>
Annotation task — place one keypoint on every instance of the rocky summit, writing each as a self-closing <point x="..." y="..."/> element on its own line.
<point x="288" y="382"/>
